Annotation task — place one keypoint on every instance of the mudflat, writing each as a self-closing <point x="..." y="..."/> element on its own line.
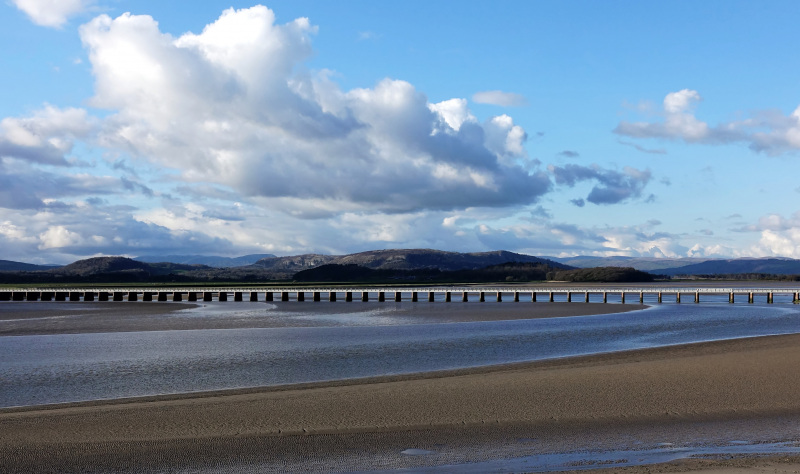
<point x="726" y="390"/>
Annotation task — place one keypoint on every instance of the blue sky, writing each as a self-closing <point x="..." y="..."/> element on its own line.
<point x="548" y="128"/>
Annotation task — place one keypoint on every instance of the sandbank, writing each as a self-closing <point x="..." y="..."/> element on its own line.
<point x="716" y="392"/>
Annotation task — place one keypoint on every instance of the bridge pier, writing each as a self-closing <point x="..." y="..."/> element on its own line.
<point x="74" y="296"/>
<point x="605" y="297"/>
<point x="332" y="296"/>
<point x="348" y="296"/>
<point x="482" y="297"/>
<point x="365" y="296"/>
<point x="208" y="296"/>
<point x="301" y="296"/>
<point x="18" y="296"/>
<point x="696" y="296"/>
<point x="268" y="297"/>
<point x="659" y="297"/>
<point x="414" y="298"/>
<point x="499" y="297"/>
<point x="33" y="296"/>
<point x="431" y="297"/>
<point x="516" y="297"/>
<point x="678" y="297"/>
<point x="398" y="296"/>
<point x="46" y="296"/>
<point x="464" y="297"/>
<point x="162" y="296"/>
<point x="622" y="297"/>
<point x="533" y="297"/>
<point x="730" y="297"/>
<point x="641" y="297"/>
<point x="192" y="296"/>
<point x="551" y="297"/>
<point x="132" y="296"/>
<point x="102" y="296"/>
<point x="61" y="296"/>
<point x="796" y="298"/>
<point x="769" y="297"/>
<point x="447" y="297"/>
<point x="118" y="296"/>
<point x="223" y="296"/>
<point x="381" y="296"/>
<point x="569" y="297"/>
<point x="284" y="296"/>
<point x="177" y="296"/>
<point x="6" y="295"/>
<point x="586" y="297"/>
<point x="750" y="298"/>
<point x="317" y="296"/>
<point x="237" y="296"/>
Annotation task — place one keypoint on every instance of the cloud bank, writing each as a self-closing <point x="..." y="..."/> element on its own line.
<point x="51" y="13"/>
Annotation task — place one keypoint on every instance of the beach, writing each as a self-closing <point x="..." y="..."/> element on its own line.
<point x="718" y="392"/>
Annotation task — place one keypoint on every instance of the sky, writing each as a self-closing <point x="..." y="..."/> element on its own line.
<point x="550" y="128"/>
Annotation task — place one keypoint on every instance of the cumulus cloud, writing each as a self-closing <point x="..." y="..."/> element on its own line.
<point x="45" y="137"/>
<point x="52" y="13"/>
<point x="770" y="132"/>
<point x="612" y="186"/>
<point x="233" y="105"/>
<point x="505" y="99"/>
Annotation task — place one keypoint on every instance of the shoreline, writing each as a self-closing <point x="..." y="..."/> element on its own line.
<point x="464" y="415"/>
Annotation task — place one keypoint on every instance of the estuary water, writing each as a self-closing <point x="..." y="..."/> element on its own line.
<point x="334" y="343"/>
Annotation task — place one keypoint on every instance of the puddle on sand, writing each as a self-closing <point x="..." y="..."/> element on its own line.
<point x="587" y="460"/>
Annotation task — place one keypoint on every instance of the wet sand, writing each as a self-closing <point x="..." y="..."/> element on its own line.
<point x="715" y="392"/>
<point x="40" y="318"/>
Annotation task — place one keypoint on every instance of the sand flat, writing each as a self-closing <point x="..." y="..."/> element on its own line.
<point x="740" y="381"/>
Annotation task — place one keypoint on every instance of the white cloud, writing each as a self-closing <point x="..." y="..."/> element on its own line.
<point x="52" y="13"/>
<point x="505" y="99"/>
<point x="767" y="131"/>
<point x="234" y="105"/>
<point x="57" y="237"/>
<point x="45" y="137"/>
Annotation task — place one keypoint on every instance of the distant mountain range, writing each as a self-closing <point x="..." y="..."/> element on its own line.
<point x="387" y="264"/>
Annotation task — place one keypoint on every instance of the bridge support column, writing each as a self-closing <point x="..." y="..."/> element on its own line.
<point x="381" y="296"/>
<point x="61" y="296"/>
<point x="237" y="296"/>
<point x="769" y="297"/>
<point x="622" y="297"/>
<point x="317" y="296"/>
<point x="253" y="296"/>
<point x="586" y="297"/>
<point x="569" y="297"/>
<point x="46" y="296"/>
<point x="516" y="297"/>
<point x="448" y="297"/>
<point x="118" y="296"/>
<point x="284" y="296"/>
<point x="499" y="297"/>
<point x="696" y="296"/>
<point x="35" y="295"/>
<point x="162" y="296"/>
<point x="18" y="296"/>
<point x="431" y="297"/>
<point x="750" y="297"/>
<point x="398" y="296"/>
<point x="641" y="297"/>
<point x="177" y="296"/>
<point x="146" y="296"/>
<point x="730" y="297"/>
<point x="207" y="296"/>
<point x="192" y="296"/>
<point x="132" y="296"/>
<point x="348" y="296"/>
<point x="332" y="296"/>
<point x="551" y="297"/>
<point x="483" y="297"/>
<point x="678" y="297"/>
<point x="660" y="297"/>
<point x="796" y="298"/>
<point x="301" y="296"/>
<point x="414" y="298"/>
<point x="223" y="296"/>
<point x="364" y="296"/>
<point x="6" y="295"/>
<point x="605" y="297"/>
<point x="74" y="296"/>
<point x="268" y="297"/>
<point x="533" y="297"/>
<point x="464" y="297"/>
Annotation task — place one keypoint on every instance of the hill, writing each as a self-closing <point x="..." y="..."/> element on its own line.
<point x="773" y="266"/>
<point x="9" y="266"/>
<point x="647" y="264"/>
<point x="208" y="260"/>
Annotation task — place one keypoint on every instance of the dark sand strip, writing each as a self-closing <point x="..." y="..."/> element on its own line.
<point x="466" y="415"/>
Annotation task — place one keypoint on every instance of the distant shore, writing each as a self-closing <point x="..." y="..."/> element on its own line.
<point x="726" y="390"/>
